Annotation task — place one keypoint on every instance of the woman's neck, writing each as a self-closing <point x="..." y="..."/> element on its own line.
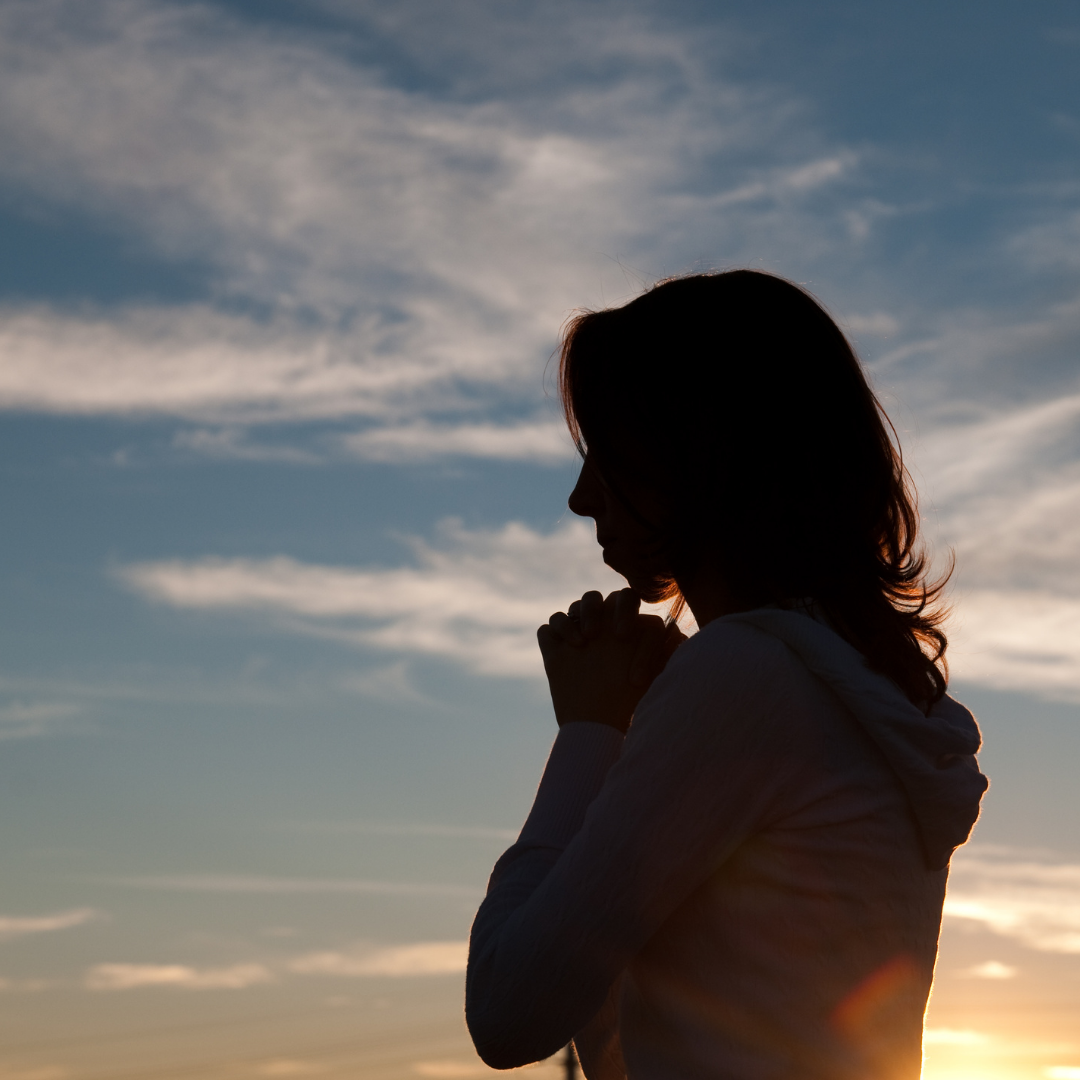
<point x="707" y="594"/>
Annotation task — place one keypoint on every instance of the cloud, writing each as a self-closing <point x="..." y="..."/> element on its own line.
<point x="477" y="598"/>
<point x="1006" y="491"/>
<point x="40" y="1072"/>
<point x="438" y="831"/>
<point x="544" y="442"/>
<point x="12" y="926"/>
<point x="423" y="958"/>
<point x="990" y="969"/>
<point x="196" y="362"/>
<point x="782" y="181"/>
<point x="233" y="444"/>
<point x="291" y="1067"/>
<point x="1033" y="901"/>
<point x="402" y="256"/>
<point x="875" y="324"/>
<point x="139" y="976"/>
<point x="28" y="720"/>
<point x="979" y="363"/>
<point x="402" y="248"/>
<point x="1003" y="488"/>
<point x="242" y="883"/>
<point x="1051" y="245"/>
<point x="451" y="1070"/>
<point x="391" y="682"/>
<point x="1018" y="640"/>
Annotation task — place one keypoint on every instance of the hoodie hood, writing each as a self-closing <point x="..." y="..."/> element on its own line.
<point x="933" y="756"/>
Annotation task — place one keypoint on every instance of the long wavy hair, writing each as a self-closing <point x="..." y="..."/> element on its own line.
<point x="738" y="400"/>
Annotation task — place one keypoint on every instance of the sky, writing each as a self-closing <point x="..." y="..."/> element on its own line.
<point x="284" y="480"/>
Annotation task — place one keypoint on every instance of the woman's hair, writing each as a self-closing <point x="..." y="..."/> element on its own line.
<point x="736" y="399"/>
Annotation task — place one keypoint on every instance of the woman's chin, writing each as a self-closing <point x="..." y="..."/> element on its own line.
<point x="645" y="581"/>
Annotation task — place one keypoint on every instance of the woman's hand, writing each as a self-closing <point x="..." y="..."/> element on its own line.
<point x="602" y="655"/>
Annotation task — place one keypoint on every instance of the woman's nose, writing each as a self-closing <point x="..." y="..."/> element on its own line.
<point x="586" y="500"/>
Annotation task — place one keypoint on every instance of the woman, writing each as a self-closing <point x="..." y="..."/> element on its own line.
<point x="747" y="881"/>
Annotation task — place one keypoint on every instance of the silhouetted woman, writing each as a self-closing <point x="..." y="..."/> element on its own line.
<point x="746" y="881"/>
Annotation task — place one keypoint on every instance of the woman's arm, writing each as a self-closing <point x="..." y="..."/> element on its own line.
<point x="604" y="859"/>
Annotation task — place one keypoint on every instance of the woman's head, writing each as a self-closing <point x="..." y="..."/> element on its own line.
<point x="728" y="419"/>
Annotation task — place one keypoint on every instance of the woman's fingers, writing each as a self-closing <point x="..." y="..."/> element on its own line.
<point x="594" y="615"/>
<point x="565" y="627"/>
<point x="649" y="656"/>
<point x="627" y="603"/>
<point x="546" y="639"/>
<point x="591" y="613"/>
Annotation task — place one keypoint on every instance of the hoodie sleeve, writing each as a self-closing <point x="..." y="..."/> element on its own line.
<point x="591" y="879"/>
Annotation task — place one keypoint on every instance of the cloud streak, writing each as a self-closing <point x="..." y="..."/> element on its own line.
<point x="1004" y="491"/>
<point x="196" y="362"/>
<point x="440" y="832"/>
<point x="289" y="886"/>
<point x="412" y="250"/>
<point x="34" y="719"/>
<point x="477" y="597"/>
<point x="175" y="976"/>
<point x="419" y="959"/>
<point x="543" y="442"/>
<point x="423" y="958"/>
<point x="1033" y="901"/>
<point x="14" y="926"/>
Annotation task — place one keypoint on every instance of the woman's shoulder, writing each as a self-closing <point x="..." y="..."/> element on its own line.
<point x="734" y="649"/>
<point x="731" y="688"/>
<point x="732" y="666"/>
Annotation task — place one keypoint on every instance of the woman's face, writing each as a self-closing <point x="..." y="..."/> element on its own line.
<point x="632" y="545"/>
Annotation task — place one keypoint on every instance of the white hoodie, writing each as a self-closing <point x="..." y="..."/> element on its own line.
<point x="748" y="887"/>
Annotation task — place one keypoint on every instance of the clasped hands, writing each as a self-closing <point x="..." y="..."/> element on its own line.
<point x="601" y="655"/>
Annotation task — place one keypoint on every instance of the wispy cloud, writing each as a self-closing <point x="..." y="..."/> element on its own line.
<point x="291" y="1067"/>
<point x="432" y="829"/>
<point x="1031" y="900"/>
<point x="285" y="886"/>
<point x="1027" y="640"/>
<point x="179" y="976"/>
<point x="423" y="958"/>
<point x="233" y="444"/>
<point x="778" y="183"/>
<point x="32" y="719"/>
<point x="1053" y="244"/>
<point x="197" y="362"/>
<point x="872" y="324"/>
<point x="990" y="969"/>
<point x="477" y="597"/>
<point x="1003" y="486"/>
<point x="12" y="926"/>
<point x="545" y="442"/>
<point x="450" y="1069"/>
<point x="409" y="245"/>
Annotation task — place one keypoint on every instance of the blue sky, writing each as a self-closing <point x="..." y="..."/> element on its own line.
<point x="284" y="479"/>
